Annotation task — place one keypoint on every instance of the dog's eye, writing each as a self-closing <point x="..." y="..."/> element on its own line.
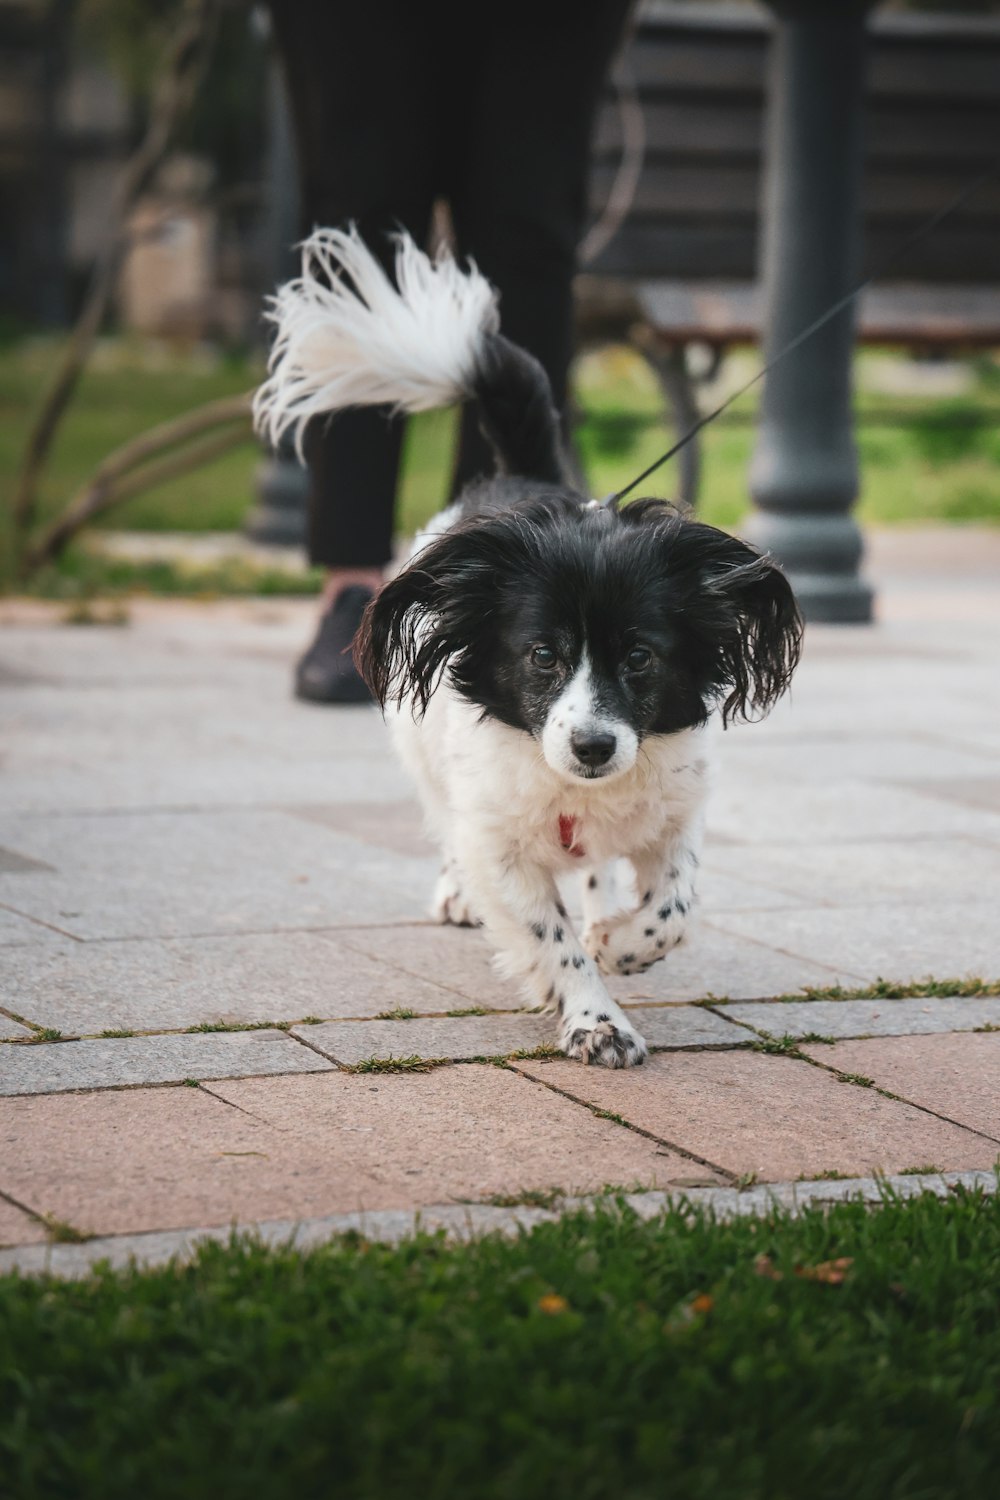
<point x="638" y="658"/>
<point x="543" y="656"/>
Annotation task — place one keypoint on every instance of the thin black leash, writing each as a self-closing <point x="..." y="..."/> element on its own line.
<point x="901" y="249"/>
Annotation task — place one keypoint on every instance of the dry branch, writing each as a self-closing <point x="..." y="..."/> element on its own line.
<point x="180" y="76"/>
<point x="143" y="459"/>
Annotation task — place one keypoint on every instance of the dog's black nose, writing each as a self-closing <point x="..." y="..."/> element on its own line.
<point x="593" y="749"/>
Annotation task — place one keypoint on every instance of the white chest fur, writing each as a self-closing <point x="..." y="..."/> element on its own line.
<point x="497" y="778"/>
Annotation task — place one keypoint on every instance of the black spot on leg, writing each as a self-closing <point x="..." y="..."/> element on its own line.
<point x="661" y="942"/>
<point x="592" y="883"/>
<point x="649" y="932"/>
<point x="578" y="960"/>
<point x="557" y="934"/>
<point x="561" y="910"/>
<point x="538" y="928"/>
<point x="664" y="912"/>
<point x="647" y="898"/>
<point x="551" y="995"/>
<point x="682" y="907"/>
<point x="626" y="958"/>
<point x="561" y="1005"/>
<point x="564" y="963"/>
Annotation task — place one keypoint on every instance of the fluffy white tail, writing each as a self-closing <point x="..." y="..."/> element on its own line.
<point x="347" y="337"/>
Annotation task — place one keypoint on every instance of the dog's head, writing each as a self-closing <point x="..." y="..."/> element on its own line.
<point x="588" y="628"/>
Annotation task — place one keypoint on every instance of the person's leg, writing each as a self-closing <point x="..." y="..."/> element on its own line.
<point x="357" y="81"/>
<point x="519" y="198"/>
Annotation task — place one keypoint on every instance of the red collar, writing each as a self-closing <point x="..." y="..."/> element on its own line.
<point x="567" y="836"/>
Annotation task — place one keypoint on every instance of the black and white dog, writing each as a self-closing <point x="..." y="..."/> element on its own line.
<point x="553" y="667"/>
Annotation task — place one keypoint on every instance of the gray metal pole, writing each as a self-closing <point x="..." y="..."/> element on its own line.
<point x="804" y="472"/>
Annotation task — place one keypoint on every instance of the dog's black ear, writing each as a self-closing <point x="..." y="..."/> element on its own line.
<point x="432" y="615"/>
<point x="735" y="606"/>
<point x="760" y="629"/>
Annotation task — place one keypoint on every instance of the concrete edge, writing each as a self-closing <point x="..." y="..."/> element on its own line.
<point x="464" y="1222"/>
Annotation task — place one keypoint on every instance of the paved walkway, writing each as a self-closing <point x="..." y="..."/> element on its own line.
<point x="212" y="934"/>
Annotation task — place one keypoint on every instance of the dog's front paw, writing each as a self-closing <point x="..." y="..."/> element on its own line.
<point x="450" y="904"/>
<point x="609" y="1043"/>
<point x="633" y="941"/>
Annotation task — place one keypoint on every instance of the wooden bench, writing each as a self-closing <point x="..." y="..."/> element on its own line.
<point x="681" y="267"/>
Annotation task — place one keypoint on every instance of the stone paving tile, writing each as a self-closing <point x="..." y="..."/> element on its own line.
<point x="164" y="644"/>
<point x="462" y="1038"/>
<point x="40" y="785"/>
<point x="970" y="791"/>
<point x="351" y="1042"/>
<point x="459" y="958"/>
<point x="957" y="1076"/>
<point x="677" y="1026"/>
<point x="169" y="983"/>
<point x="889" y="759"/>
<point x="19" y="1228"/>
<point x="742" y="891"/>
<point x="857" y="1018"/>
<point x="468" y="1131"/>
<point x="872" y="873"/>
<point x="12" y="863"/>
<point x="149" y="1159"/>
<point x="762" y="809"/>
<point x="127" y="1161"/>
<point x="185" y="873"/>
<point x="19" y="931"/>
<point x="899" y="943"/>
<point x="395" y="826"/>
<point x="710" y="962"/>
<point x="51" y="1067"/>
<point x="751" y="1112"/>
<point x="720" y="962"/>
<point x="11" y="1029"/>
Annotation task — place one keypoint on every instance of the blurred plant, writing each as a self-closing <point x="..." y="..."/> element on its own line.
<point x="178" y="76"/>
<point x="131" y="36"/>
<point x="948" y="432"/>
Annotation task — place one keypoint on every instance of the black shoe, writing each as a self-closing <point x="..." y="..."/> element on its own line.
<point x="327" y="674"/>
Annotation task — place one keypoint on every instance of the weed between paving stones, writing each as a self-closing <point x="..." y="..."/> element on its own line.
<point x="412" y="1064"/>
<point x="60" y="1232"/>
<point x="415" y="1064"/>
<point x="597" y="1356"/>
<point x="882" y="989"/>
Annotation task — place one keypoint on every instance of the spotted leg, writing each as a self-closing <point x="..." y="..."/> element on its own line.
<point x="536" y="943"/>
<point x="601" y="893"/>
<point x="451" y="903"/>
<point x="633" y="940"/>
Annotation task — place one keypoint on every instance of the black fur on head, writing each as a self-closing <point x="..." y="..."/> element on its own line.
<point x="716" y="619"/>
<point x="742" y="625"/>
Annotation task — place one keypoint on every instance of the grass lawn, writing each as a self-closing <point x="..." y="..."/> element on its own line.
<point x="851" y="1353"/>
<point x="938" y="461"/>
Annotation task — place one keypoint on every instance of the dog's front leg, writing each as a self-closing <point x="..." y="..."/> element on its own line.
<point x="527" y="923"/>
<point x="632" y="941"/>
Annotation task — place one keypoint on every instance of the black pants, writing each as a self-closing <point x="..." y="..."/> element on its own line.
<point x="397" y="103"/>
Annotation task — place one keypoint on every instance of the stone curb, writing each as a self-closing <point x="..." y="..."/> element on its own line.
<point x="465" y="1222"/>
